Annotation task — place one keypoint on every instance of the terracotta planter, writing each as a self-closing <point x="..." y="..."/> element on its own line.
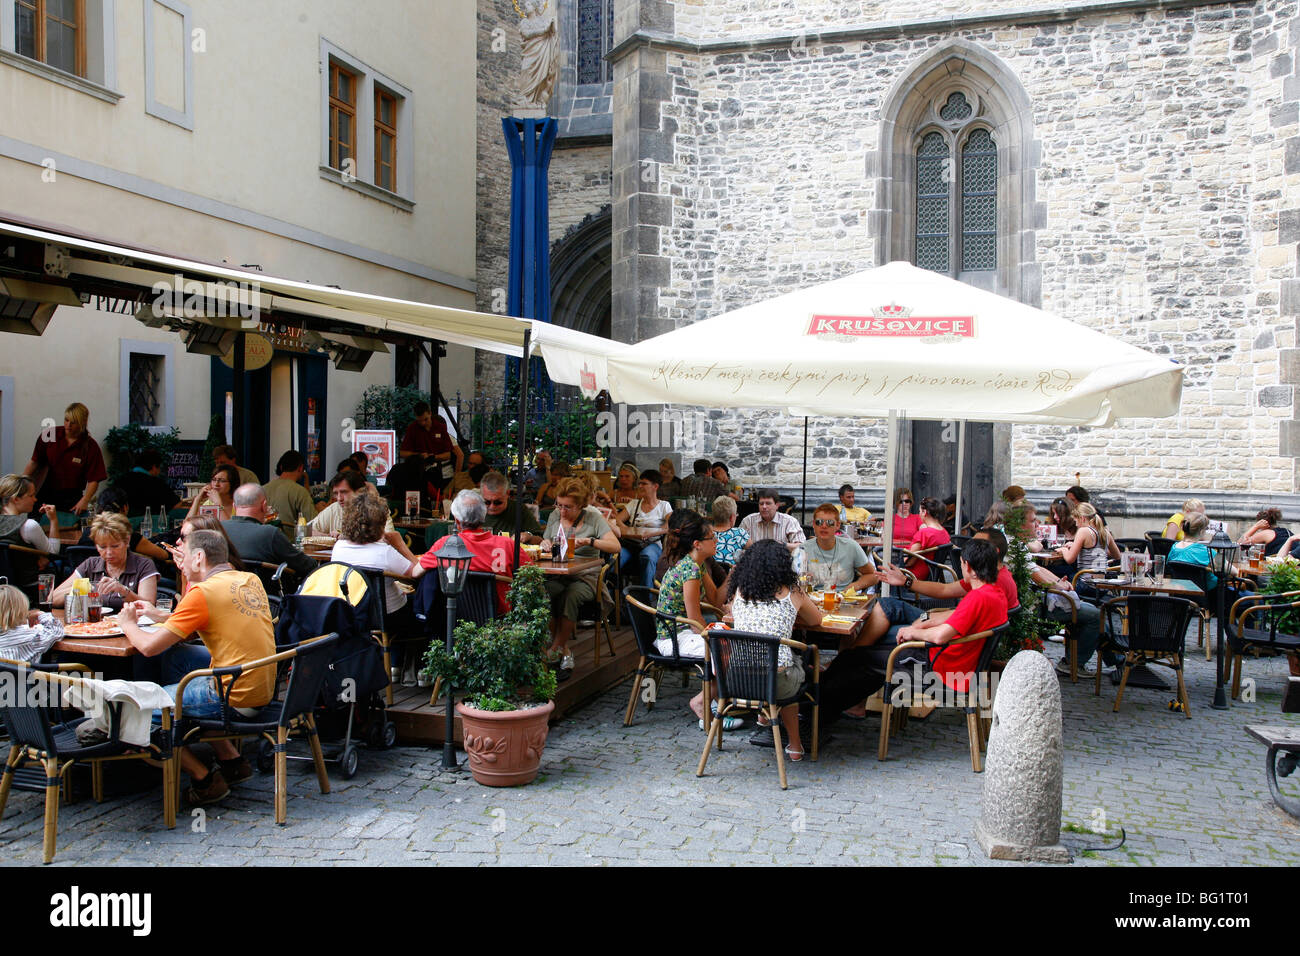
<point x="504" y="747"/>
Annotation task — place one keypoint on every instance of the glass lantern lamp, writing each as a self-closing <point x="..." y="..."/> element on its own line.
<point x="1222" y="548"/>
<point x="452" y="561"/>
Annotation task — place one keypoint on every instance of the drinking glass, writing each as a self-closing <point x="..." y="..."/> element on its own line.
<point x="44" y="590"/>
<point x="94" y="608"/>
<point x="1158" y="568"/>
<point x="163" y="603"/>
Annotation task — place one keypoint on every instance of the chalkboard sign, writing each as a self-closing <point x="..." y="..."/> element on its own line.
<point x="184" y="465"/>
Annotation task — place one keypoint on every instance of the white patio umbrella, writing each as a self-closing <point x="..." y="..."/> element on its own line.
<point x="890" y="340"/>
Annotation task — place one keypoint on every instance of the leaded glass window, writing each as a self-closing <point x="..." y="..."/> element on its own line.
<point x="956" y="189"/>
<point x="933" y="166"/>
<point x="595" y="39"/>
<point x="979" y="203"/>
<point x="144" y="388"/>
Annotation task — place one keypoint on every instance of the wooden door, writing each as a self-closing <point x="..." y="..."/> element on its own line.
<point x="934" y="465"/>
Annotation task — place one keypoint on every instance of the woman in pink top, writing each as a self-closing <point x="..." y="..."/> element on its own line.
<point x="931" y="534"/>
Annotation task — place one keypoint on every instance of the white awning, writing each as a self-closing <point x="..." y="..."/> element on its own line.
<point x="482" y="330"/>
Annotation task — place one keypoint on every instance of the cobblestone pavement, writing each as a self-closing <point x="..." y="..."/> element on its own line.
<point x="1185" y="792"/>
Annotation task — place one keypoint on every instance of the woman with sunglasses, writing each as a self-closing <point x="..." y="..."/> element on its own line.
<point x="906" y="524"/>
<point x="219" y="491"/>
<point x="835" y="561"/>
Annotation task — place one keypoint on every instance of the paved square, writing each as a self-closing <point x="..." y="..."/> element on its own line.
<point x="1185" y="791"/>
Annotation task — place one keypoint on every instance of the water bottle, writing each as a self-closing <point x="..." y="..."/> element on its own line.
<point x="302" y="532"/>
<point x="146" y="525"/>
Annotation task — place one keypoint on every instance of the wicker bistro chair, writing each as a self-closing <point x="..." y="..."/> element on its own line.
<point x="9" y="573"/>
<point x="310" y="662"/>
<point x="954" y="552"/>
<point x="598" y="611"/>
<point x="898" y="701"/>
<point x="1067" y="629"/>
<point x="1157" y="544"/>
<point x="1252" y="628"/>
<point x="745" y="664"/>
<point x="33" y="737"/>
<point x="640" y="601"/>
<point x="1147" y="629"/>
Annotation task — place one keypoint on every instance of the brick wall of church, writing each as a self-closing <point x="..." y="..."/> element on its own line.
<point x="1163" y="170"/>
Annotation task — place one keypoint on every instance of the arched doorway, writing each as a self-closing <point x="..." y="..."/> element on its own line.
<point x="580" y="275"/>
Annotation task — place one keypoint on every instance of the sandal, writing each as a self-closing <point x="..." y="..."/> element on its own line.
<point x="793" y="755"/>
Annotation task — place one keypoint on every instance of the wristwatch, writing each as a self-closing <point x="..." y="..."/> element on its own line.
<point x="911" y="579"/>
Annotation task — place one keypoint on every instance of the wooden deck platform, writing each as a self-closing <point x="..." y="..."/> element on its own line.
<point x="419" y="722"/>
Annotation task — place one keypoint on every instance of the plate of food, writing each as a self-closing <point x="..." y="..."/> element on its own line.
<point x="105" y="628"/>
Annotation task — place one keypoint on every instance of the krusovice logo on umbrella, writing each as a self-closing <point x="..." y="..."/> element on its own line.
<point x="894" y="321"/>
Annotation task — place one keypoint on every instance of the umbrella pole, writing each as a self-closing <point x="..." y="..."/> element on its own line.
<point x="891" y="454"/>
<point x="523" y="438"/>
<point x="961" y="463"/>
<point x="803" y="498"/>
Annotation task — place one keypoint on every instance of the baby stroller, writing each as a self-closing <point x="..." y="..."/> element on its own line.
<point x="337" y="597"/>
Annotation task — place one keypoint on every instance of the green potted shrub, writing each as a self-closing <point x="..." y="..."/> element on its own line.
<point x="1024" y="634"/>
<point x="500" y="669"/>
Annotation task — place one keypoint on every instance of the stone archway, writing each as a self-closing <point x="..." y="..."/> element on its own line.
<point x="581" y="275"/>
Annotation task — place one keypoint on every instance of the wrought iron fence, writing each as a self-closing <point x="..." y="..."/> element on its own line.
<point x="563" y="424"/>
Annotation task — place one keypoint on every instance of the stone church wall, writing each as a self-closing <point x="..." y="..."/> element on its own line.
<point x="1163" y="167"/>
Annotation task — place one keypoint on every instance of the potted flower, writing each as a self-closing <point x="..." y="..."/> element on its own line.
<point x="500" y="668"/>
<point x="1024" y="634"/>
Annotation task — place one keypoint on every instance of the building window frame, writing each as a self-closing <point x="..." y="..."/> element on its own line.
<point x="956" y="132"/>
<point x="370" y="83"/>
<point x="182" y="118"/>
<point x="597" y="45"/>
<point x="166" y="352"/>
<point x="97" y="50"/>
<point x="386" y="129"/>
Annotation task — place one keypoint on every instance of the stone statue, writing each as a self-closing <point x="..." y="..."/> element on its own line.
<point x="541" y="53"/>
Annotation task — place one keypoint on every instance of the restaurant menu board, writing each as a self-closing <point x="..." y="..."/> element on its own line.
<point x="183" y="465"/>
<point x="380" y="446"/>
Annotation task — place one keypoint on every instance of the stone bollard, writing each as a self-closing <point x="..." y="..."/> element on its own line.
<point x="1020" y="807"/>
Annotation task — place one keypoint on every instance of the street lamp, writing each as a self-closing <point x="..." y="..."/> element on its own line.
<point x="453" y="560"/>
<point x="1222" y="548"/>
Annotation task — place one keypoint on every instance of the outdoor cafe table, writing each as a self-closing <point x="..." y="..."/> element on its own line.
<point x="1176" y="587"/>
<point x="857" y="610"/>
<point x="573" y="566"/>
<point x="116" y="646"/>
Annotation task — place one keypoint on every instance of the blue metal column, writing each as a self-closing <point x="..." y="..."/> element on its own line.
<point x="529" y="143"/>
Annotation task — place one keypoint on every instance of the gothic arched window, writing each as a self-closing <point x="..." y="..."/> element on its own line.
<point x="595" y="39"/>
<point x="956" y="188"/>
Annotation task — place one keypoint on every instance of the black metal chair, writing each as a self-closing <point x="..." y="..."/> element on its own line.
<point x="745" y="665"/>
<point x="1133" y="544"/>
<point x="18" y="567"/>
<point x="1253" y="627"/>
<point x="309" y="667"/>
<point x="1199" y="575"/>
<point x="476" y="603"/>
<point x="1157" y="544"/>
<point x="1146" y="629"/>
<point x="954" y="555"/>
<point x="648" y="625"/>
<point x="33" y="737"/>
<point x="74" y="554"/>
<point x="598" y="611"/>
<point x="975" y="700"/>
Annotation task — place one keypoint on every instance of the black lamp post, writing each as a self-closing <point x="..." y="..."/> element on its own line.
<point x="1222" y="548"/>
<point x="453" y="567"/>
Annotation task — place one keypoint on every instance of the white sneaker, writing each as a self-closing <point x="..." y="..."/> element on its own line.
<point x="1063" y="668"/>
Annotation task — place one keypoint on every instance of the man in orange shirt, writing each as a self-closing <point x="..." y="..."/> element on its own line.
<point x="493" y="553"/>
<point x="229" y="611"/>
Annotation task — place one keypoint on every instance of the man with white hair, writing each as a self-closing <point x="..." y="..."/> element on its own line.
<point x="257" y="541"/>
<point x="493" y="553"/>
